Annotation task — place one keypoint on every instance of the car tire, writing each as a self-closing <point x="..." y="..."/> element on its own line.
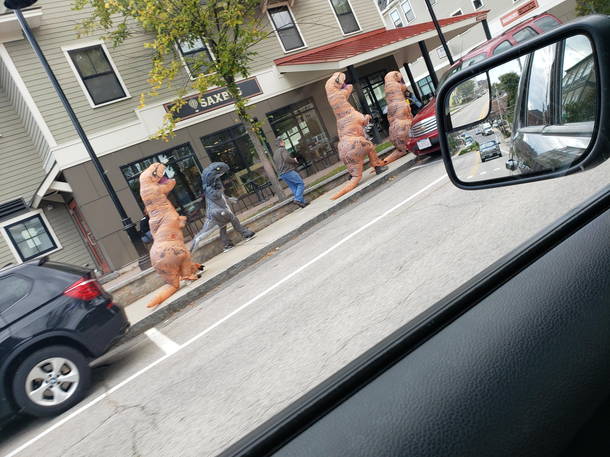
<point x="65" y="373"/>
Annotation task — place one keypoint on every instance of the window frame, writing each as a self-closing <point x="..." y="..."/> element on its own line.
<point x="395" y="10"/>
<point x="83" y="46"/>
<point x="475" y="8"/>
<point x="332" y="7"/>
<point x="456" y="11"/>
<point x="405" y="14"/>
<point x="4" y="225"/>
<point x="185" y="63"/>
<point x="296" y="26"/>
<point x="156" y="155"/>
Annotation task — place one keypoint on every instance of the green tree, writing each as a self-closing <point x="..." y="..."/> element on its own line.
<point x="466" y="90"/>
<point x="229" y="29"/>
<point x="508" y="83"/>
<point x="586" y="7"/>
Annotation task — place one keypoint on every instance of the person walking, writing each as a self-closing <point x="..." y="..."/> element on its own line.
<point x="285" y="165"/>
<point x="145" y="228"/>
<point x="416" y="105"/>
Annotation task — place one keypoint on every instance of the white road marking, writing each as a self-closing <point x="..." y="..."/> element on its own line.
<point x="496" y="169"/>
<point x="483" y="172"/>
<point x="221" y="321"/>
<point x="164" y="343"/>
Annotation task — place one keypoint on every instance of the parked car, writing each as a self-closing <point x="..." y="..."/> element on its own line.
<point x="478" y="132"/>
<point x="423" y="135"/>
<point x="487" y="129"/>
<point x="489" y="150"/>
<point x="54" y="318"/>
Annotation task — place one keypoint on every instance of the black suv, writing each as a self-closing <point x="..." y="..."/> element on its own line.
<point x="53" y="319"/>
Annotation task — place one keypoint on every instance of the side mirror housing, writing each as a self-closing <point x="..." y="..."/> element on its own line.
<point x="542" y="106"/>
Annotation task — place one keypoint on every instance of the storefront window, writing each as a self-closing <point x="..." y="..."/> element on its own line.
<point x="425" y="86"/>
<point x="306" y="138"/>
<point x="235" y="148"/>
<point x="182" y="165"/>
<point x="373" y="87"/>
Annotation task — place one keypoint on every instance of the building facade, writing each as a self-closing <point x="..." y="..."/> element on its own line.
<point x="52" y="182"/>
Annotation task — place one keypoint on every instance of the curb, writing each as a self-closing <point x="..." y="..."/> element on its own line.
<point x="190" y="297"/>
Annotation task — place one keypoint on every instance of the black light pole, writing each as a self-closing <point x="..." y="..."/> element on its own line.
<point x="128" y="225"/>
<point x="440" y="33"/>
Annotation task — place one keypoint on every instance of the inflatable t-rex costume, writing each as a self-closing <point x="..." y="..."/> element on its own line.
<point x="168" y="254"/>
<point x="399" y="114"/>
<point x="218" y="213"/>
<point x="353" y="146"/>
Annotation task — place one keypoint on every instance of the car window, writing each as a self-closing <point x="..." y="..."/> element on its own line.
<point x="13" y="288"/>
<point x="464" y="64"/>
<point x="502" y="47"/>
<point x="546" y="23"/>
<point x="524" y="35"/>
<point x="579" y="84"/>
<point x="539" y="89"/>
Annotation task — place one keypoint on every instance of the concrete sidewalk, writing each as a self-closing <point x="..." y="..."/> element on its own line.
<point x="223" y="267"/>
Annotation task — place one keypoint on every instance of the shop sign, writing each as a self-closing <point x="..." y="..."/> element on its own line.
<point x="214" y="99"/>
<point x="521" y="11"/>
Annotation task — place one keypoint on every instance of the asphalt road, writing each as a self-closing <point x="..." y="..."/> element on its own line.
<point x="221" y="367"/>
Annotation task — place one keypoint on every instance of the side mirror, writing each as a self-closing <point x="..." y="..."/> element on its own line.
<point x="535" y="112"/>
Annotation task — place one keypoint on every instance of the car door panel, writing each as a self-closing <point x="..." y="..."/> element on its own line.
<point x="519" y="367"/>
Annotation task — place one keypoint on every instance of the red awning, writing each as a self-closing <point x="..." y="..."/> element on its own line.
<point x="350" y="48"/>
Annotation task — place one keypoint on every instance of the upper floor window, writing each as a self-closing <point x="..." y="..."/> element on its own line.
<point x="477" y="4"/>
<point x="285" y="28"/>
<point x="98" y="75"/>
<point x="457" y="13"/>
<point x="395" y="16"/>
<point x="191" y="54"/>
<point x="406" y="8"/>
<point x="345" y="15"/>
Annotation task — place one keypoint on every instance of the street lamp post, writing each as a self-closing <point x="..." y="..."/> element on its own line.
<point x="440" y="33"/>
<point x="128" y="225"/>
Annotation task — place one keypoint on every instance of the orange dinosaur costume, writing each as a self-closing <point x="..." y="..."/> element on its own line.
<point x="353" y="146"/>
<point x="399" y="114"/>
<point x="168" y="255"/>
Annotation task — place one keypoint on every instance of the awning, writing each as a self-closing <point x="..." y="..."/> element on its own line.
<point x="50" y="189"/>
<point x="377" y="44"/>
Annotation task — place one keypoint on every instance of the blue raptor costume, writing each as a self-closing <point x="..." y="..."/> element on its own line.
<point x="218" y="213"/>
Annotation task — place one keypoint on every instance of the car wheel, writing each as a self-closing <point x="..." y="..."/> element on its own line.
<point x="51" y="381"/>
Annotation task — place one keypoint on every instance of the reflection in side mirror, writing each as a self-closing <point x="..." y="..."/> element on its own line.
<point x="469" y="102"/>
<point x="536" y="112"/>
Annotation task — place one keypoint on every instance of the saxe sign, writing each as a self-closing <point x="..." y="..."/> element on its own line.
<point x="214" y="99"/>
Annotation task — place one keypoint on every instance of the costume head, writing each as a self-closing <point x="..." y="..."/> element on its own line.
<point x="336" y="84"/>
<point x="396" y="77"/>
<point x="213" y="173"/>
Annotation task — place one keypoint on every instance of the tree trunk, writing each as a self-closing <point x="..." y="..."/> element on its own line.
<point x="267" y="165"/>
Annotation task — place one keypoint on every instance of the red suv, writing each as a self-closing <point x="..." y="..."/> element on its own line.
<point x="423" y="136"/>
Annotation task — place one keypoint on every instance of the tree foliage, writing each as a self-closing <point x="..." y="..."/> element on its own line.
<point x="586" y="7"/>
<point x="229" y="29"/>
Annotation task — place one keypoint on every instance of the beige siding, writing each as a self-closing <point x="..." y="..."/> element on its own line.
<point x="22" y="110"/>
<point x="318" y="25"/>
<point x="73" y="249"/>
<point x="57" y="30"/>
<point x="22" y="170"/>
<point x="21" y="175"/>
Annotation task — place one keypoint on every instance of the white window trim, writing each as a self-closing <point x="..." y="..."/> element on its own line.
<point x="475" y="8"/>
<point x="456" y="11"/>
<point x="338" y="22"/>
<point x="186" y="66"/>
<point x="392" y="20"/>
<point x="402" y="12"/>
<point x="295" y="24"/>
<point x="22" y="217"/>
<point x="74" y="47"/>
